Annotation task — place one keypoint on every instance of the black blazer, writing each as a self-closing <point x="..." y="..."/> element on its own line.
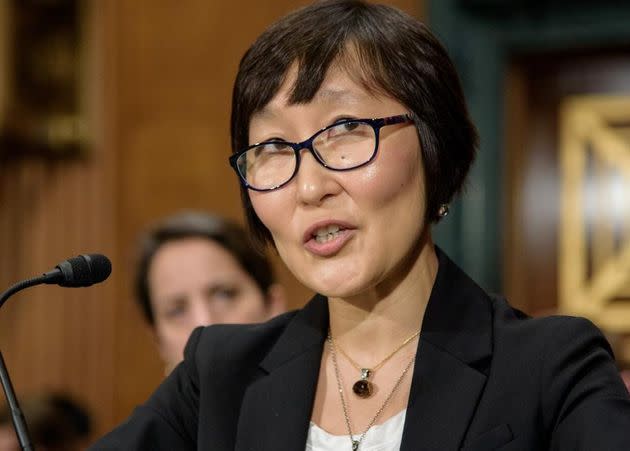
<point x="486" y="378"/>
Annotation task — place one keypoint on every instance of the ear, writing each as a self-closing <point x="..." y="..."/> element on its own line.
<point x="276" y="300"/>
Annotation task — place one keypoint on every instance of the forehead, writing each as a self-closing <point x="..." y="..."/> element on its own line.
<point x="338" y="87"/>
<point x="179" y="266"/>
<point x="349" y="79"/>
<point x="177" y="257"/>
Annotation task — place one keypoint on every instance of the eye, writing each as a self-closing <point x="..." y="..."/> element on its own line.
<point x="176" y="309"/>
<point x="272" y="141"/>
<point x="270" y="146"/>
<point x="343" y="128"/>
<point x="341" y="119"/>
<point x="275" y="146"/>
<point x="223" y="292"/>
<point x="350" y="126"/>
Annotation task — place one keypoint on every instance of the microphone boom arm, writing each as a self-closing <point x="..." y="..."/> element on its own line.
<point x="17" y="416"/>
<point x="16" y="413"/>
<point x="81" y="271"/>
<point x="20" y="286"/>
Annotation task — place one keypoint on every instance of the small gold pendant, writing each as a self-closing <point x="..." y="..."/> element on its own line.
<point x="363" y="387"/>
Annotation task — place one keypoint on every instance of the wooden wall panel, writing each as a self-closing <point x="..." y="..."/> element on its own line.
<point x="56" y="338"/>
<point x="160" y="77"/>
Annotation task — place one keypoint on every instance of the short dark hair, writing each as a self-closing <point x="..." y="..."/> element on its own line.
<point x="396" y="55"/>
<point x="231" y="236"/>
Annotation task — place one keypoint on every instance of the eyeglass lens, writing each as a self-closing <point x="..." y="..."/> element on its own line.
<point x="342" y="146"/>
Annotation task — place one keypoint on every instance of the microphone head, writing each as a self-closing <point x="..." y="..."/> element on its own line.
<point x="84" y="270"/>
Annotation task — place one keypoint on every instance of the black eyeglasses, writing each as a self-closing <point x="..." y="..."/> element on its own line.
<point x="344" y="145"/>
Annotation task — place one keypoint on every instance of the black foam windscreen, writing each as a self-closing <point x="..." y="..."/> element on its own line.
<point x="84" y="270"/>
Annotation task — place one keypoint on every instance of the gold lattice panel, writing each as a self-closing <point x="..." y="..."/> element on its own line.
<point x="594" y="254"/>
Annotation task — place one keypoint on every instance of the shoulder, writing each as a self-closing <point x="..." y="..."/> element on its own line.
<point x="565" y="357"/>
<point x="565" y="363"/>
<point x="550" y="332"/>
<point x="223" y="346"/>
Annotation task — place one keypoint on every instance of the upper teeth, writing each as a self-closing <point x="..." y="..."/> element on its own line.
<point x="323" y="231"/>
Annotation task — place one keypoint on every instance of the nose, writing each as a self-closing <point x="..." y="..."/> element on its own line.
<point x="315" y="183"/>
<point x="202" y="314"/>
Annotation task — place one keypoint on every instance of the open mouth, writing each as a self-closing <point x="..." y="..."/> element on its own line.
<point x="327" y="238"/>
<point x="328" y="233"/>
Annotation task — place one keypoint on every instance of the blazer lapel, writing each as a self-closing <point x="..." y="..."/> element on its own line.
<point x="451" y="364"/>
<point x="449" y="375"/>
<point x="277" y="407"/>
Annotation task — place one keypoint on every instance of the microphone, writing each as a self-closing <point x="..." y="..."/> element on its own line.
<point x="81" y="271"/>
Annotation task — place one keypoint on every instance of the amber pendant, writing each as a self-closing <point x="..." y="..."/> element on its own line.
<point x="363" y="387"/>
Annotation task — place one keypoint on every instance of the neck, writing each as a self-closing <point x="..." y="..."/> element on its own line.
<point x="384" y="316"/>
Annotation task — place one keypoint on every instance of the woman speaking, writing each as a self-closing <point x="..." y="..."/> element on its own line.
<point x="351" y="137"/>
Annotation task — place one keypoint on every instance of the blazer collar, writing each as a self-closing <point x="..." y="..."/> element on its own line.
<point x="276" y="409"/>
<point x="458" y="318"/>
<point x="448" y="378"/>
<point x="451" y="362"/>
<point x="307" y="329"/>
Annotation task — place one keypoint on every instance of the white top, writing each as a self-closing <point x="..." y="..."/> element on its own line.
<point x="382" y="437"/>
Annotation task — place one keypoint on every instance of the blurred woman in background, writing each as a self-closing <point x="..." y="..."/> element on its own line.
<point x="197" y="269"/>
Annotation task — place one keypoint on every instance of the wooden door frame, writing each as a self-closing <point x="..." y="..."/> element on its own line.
<point x="482" y="36"/>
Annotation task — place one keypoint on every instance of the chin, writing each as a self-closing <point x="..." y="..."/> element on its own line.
<point x="338" y="288"/>
<point x="334" y="280"/>
<point x="336" y="293"/>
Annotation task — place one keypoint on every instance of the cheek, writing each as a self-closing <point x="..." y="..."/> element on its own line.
<point x="248" y="310"/>
<point x="250" y="299"/>
<point x="169" y="340"/>
<point x="395" y="178"/>
<point x="166" y="331"/>
<point x="262" y="207"/>
<point x="273" y="208"/>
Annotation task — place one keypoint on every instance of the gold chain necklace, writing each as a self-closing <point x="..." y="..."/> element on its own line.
<point x="357" y="442"/>
<point x="363" y="388"/>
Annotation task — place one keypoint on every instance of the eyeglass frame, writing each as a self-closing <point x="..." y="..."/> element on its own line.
<point x="375" y="123"/>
